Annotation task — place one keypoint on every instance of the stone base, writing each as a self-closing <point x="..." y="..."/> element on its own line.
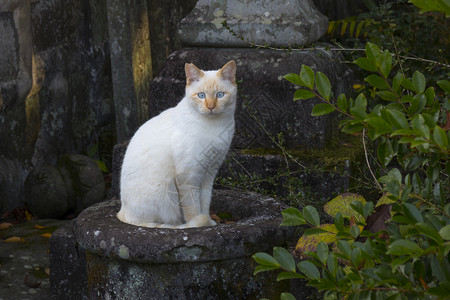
<point x="99" y="257"/>
<point x="265" y="108"/>
<point x="68" y="278"/>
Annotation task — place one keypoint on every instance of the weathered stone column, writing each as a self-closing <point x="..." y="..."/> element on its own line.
<point x="15" y="84"/>
<point x="130" y="63"/>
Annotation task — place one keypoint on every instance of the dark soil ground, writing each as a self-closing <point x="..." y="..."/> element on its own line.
<point x="24" y="258"/>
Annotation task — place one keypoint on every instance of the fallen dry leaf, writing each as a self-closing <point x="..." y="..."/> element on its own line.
<point x="5" y="225"/>
<point x="47" y="271"/>
<point x="28" y="216"/>
<point x="39" y="226"/>
<point x="30" y="282"/>
<point x="46" y="235"/>
<point x="14" y="239"/>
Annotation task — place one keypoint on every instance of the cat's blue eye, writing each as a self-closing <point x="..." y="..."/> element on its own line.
<point x="220" y="94"/>
<point x="201" y="95"/>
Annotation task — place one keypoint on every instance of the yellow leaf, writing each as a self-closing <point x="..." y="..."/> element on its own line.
<point x="39" y="226"/>
<point x="28" y="216"/>
<point x="342" y="203"/>
<point x="5" y="225"/>
<point x="14" y="239"/>
<point x="310" y="242"/>
<point x="46" y="235"/>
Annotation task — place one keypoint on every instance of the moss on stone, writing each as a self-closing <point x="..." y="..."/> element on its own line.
<point x="334" y="155"/>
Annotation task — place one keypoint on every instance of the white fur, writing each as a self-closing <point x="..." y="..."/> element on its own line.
<point x="171" y="161"/>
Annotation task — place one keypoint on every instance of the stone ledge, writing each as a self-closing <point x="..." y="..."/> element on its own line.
<point x="256" y="228"/>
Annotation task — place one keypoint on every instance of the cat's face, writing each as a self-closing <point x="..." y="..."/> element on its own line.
<point x="212" y="92"/>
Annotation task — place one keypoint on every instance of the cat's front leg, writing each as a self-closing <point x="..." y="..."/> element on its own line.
<point x="205" y="196"/>
<point x="189" y="195"/>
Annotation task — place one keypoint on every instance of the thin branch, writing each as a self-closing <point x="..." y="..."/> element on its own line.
<point x="367" y="159"/>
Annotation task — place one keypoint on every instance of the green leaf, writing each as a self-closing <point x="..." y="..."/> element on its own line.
<point x="429" y="231"/>
<point x="437" y="270"/>
<point x="361" y="101"/>
<point x="397" y="118"/>
<point x="430" y="95"/>
<point x="385" y="152"/>
<point x="102" y="166"/>
<point x="397" y="81"/>
<point x="366" y="64"/>
<point x="418" y="123"/>
<point x="287" y="296"/>
<point x="289" y="275"/>
<point x="378" y="123"/>
<point x="419" y="82"/>
<point x="322" y="109"/>
<point x="433" y="5"/>
<point x="445" y="232"/>
<point x="294" y="78"/>
<point x="359" y="112"/>
<point x="322" y="252"/>
<point x="418" y="102"/>
<point x="440" y="137"/>
<point x="311" y="215"/>
<point x="342" y="204"/>
<point x="310" y="242"/>
<point x="404" y="247"/>
<point x="373" y="53"/>
<point x="265" y="259"/>
<point x="352" y="128"/>
<point x="345" y="248"/>
<point x="342" y="102"/>
<point x="339" y="221"/>
<point x="262" y="268"/>
<point x="412" y="213"/>
<point x="387" y="95"/>
<point x="355" y="231"/>
<point x="377" y="81"/>
<point x="323" y="85"/>
<point x="303" y="94"/>
<point x="407" y="84"/>
<point x="307" y="76"/>
<point x="445" y="85"/>
<point x="386" y="63"/>
<point x="284" y="258"/>
<point x="292" y="217"/>
<point x="309" y="269"/>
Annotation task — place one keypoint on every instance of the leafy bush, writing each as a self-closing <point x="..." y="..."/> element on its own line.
<point x="399" y="249"/>
<point x="419" y="40"/>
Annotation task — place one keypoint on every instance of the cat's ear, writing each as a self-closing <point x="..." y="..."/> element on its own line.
<point x="192" y="73"/>
<point x="228" y="72"/>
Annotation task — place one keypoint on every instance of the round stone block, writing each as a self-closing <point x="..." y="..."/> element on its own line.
<point x="45" y="193"/>
<point x="131" y="262"/>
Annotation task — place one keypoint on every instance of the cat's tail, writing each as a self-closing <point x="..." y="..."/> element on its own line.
<point x="198" y="221"/>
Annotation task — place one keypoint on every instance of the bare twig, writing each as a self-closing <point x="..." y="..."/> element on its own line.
<point x="367" y="159"/>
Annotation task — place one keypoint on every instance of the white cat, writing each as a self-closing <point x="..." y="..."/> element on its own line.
<point x="171" y="161"/>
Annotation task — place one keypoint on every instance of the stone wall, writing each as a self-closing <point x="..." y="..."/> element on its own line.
<point x="57" y="90"/>
<point x="55" y="86"/>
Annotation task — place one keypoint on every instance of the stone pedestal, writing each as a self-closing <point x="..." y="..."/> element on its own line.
<point x="108" y="259"/>
<point x="275" y="23"/>
<point x="265" y="106"/>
